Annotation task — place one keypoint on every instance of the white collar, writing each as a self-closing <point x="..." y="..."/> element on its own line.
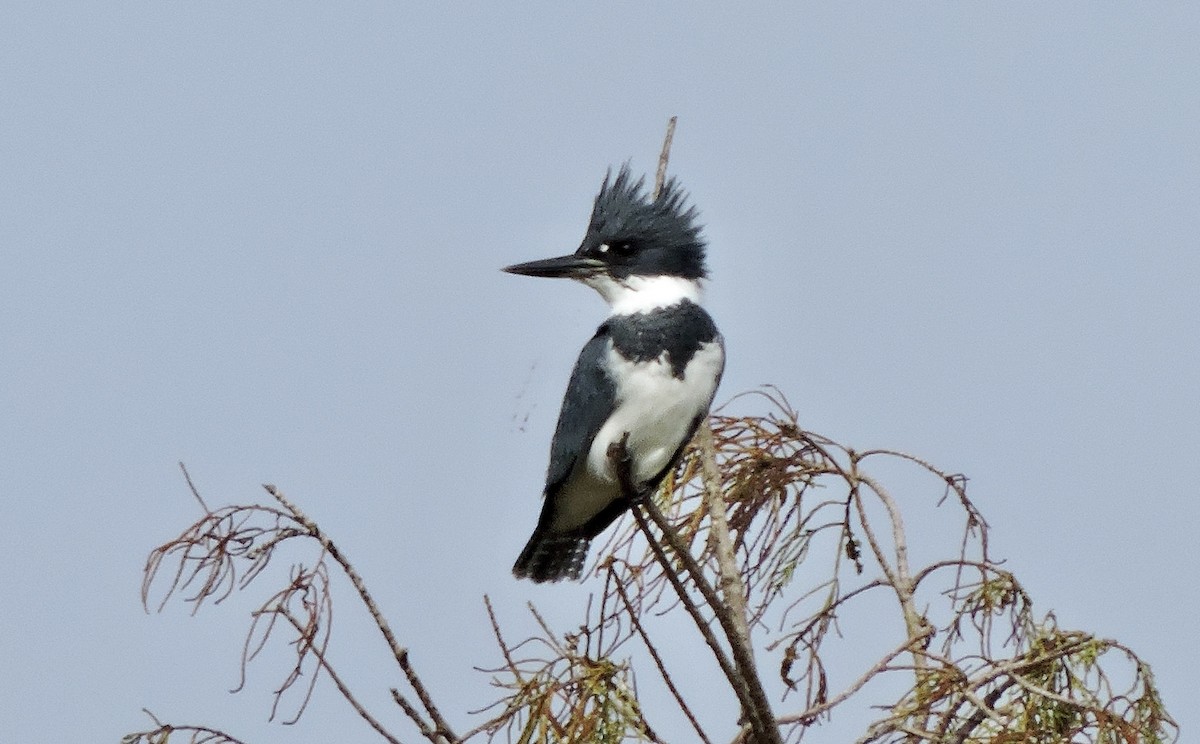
<point x="641" y="294"/>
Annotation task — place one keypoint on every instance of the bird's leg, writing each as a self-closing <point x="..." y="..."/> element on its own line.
<point x="618" y="453"/>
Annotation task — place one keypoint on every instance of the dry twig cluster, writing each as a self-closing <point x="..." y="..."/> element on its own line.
<point x="809" y="535"/>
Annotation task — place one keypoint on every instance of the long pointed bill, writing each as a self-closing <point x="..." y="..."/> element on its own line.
<point x="571" y="267"/>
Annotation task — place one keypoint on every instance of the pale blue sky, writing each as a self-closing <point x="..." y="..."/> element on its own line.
<point x="264" y="239"/>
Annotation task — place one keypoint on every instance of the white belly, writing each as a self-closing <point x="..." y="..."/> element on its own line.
<point x="656" y="409"/>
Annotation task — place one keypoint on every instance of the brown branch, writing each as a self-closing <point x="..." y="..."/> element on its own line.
<point x="900" y="575"/>
<point x="622" y="466"/>
<point x="730" y="579"/>
<point x="192" y="487"/>
<point x="899" y="541"/>
<point x="337" y="681"/>
<point x="491" y="612"/>
<point x="983" y="709"/>
<point x="164" y="731"/>
<point x="411" y="711"/>
<point x="399" y="653"/>
<point x="489" y="724"/>
<point x="757" y="707"/>
<point x="660" y="176"/>
<point x="662" y="669"/>
<point x="689" y="605"/>
<point x="742" y="675"/>
<point x="807" y="716"/>
<point x="311" y="589"/>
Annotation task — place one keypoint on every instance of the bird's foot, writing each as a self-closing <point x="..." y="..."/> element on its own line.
<point x="622" y="462"/>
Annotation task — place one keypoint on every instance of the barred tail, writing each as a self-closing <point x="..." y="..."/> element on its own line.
<point x="550" y="557"/>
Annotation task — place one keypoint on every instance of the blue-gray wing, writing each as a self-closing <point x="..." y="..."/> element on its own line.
<point x="590" y="398"/>
<point x="550" y="555"/>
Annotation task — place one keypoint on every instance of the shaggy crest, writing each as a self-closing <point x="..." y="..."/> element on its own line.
<point x="665" y="226"/>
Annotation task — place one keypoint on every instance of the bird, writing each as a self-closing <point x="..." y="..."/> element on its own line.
<point x="643" y="383"/>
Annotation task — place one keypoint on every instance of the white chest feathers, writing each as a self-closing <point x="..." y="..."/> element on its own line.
<point x="657" y="408"/>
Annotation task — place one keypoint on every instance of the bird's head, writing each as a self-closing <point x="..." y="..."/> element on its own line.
<point x="637" y="248"/>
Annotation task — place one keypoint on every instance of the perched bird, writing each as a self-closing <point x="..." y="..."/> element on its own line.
<point x="648" y="376"/>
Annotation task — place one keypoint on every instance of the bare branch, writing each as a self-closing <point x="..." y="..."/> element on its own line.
<point x="399" y="653"/>
<point x="808" y="716"/>
<point x="658" y="662"/>
<point x="730" y="578"/>
<point x="743" y="675"/>
<point x="319" y="653"/>
<point x="162" y="733"/>
<point x="660" y="175"/>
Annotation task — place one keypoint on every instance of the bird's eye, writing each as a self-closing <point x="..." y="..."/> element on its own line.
<point x="619" y="248"/>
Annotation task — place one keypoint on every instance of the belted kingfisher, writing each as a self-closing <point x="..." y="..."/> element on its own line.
<point x="650" y="371"/>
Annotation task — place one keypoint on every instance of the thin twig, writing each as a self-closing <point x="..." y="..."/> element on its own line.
<point x="983" y="709"/>
<point x="490" y="723"/>
<point x="411" y="711"/>
<point x="192" y="487"/>
<point x="664" y="155"/>
<point x="880" y="666"/>
<point x="662" y="669"/>
<point x="742" y="675"/>
<point x="512" y="665"/>
<point x="759" y="707"/>
<point x="399" y="652"/>
<point x="689" y="605"/>
<point x="164" y="730"/>
<point x="341" y="686"/>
